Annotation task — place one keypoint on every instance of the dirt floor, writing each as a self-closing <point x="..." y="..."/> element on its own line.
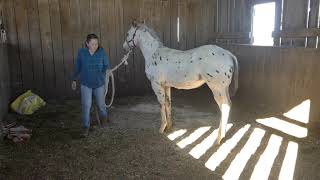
<point x="131" y="147"/>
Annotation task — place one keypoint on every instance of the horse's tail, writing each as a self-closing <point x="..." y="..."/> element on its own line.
<point x="235" y="77"/>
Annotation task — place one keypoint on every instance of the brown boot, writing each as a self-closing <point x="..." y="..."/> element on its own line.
<point x="85" y="132"/>
<point x="104" y="121"/>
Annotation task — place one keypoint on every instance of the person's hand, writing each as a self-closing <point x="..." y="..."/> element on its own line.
<point x="74" y="85"/>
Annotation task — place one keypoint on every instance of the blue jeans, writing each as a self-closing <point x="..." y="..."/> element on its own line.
<point x="86" y="101"/>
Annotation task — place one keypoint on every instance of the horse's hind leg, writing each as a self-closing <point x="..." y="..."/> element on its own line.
<point x="160" y="93"/>
<point x="221" y="96"/>
<point x="168" y="107"/>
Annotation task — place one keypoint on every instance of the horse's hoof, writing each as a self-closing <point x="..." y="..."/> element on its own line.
<point x="219" y="139"/>
<point x="218" y="142"/>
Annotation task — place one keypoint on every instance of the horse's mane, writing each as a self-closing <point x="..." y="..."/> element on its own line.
<point x="144" y="27"/>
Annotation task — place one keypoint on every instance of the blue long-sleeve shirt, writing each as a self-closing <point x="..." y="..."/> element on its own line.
<point x="91" y="68"/>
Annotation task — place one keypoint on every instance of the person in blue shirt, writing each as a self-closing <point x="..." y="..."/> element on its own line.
<point x="91" y="65"/>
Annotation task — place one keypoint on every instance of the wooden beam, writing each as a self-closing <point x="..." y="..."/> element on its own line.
<point x="231" y="35"/>
<point x="277" y="22"/>
<point x="254" y="2"/>
<point x="297" y="33"/>
<point x="313" y="20"/>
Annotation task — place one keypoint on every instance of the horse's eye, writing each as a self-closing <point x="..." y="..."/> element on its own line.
<point x="127" y="34"/>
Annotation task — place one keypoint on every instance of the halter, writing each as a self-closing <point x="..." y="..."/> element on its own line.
<point x="132" y="40"/>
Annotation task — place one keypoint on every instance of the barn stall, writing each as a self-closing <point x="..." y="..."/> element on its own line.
<point x="272" y="129"/>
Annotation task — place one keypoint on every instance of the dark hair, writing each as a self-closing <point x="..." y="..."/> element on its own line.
<point x="89" y="37"/>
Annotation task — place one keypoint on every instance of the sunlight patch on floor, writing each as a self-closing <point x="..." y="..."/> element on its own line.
<point x="193" y="137"/>
<point x="237" y="165"/>
<point x="201" y="148"/>
<point x="223" y="151"/>
<point x="263" y="167"/>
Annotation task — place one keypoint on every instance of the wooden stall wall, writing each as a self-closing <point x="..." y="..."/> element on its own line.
<point x="4" y="83"/>
<point x="279" y="77"/>
<point x="44" y="36"/>
<point x="297" y="23"/>
<point x="4" y="76"/>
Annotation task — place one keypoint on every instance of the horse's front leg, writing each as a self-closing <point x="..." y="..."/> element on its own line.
<point x="168" y="107"/>
<point x="160" y="93"/>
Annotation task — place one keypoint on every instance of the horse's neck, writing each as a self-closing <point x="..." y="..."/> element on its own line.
<point x="148" y="45"/>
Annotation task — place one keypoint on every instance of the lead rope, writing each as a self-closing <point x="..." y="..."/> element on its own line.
<point x="110" y="75"/>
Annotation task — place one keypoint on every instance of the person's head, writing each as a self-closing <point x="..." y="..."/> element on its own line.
<point x="92" y="42"/>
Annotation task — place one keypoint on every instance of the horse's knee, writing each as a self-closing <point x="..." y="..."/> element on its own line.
<point x="161" y="97"/>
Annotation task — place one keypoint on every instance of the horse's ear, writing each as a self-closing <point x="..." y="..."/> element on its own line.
<point x="134" y="23"/>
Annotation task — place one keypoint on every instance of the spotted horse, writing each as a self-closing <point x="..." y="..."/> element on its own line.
<point x="166" y="68"/>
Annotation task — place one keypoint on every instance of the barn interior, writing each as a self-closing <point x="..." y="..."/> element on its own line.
<point x="273" y="128"/>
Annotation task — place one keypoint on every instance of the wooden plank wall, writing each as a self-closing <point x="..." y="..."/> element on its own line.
<point x="44" y="36"/>
<point x="4" y="83"/>
<point x="295" y="14"/>
<point x="279" y="77"/>
<point x="299" y="26"/>
<point x="4" y="76"/>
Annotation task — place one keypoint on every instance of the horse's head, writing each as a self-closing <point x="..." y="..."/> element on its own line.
<point x="131" y="38"/>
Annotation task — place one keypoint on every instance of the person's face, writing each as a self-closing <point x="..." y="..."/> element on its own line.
<point x="93" y="45"/>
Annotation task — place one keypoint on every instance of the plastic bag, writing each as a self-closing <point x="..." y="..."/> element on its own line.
<point x="27" y="103"/>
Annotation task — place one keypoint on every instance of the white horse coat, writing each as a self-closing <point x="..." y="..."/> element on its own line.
<point x="166" y="68"/>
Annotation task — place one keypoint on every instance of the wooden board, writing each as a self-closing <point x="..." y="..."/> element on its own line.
<point x="35" y="45"/>
<point x="119" y="39"/>
<point x="57" y="46"/>
<point x="174" y="9"/>
<point x="67" y="43"/>
<point x="46" y="44"/>
<point x="24" y="44"/>
<point x="78" y="40"/>
<point x="4" y="82"/>
<point x="13" y="50"/>
<point x="313" y="21"/>
<point x="277" y="24"/>
<point x="281" y="77"/>
<point x="131" y="11"/>
<point x="183" y="24"/>
<point x="299" y="33"/>
<point x="85" y="17"/>
<point x="95" y="16"/>
<point x="165" y="22"/>
<point x="223" y="14"/>
<point x="294" y="17"/>
<point x="50" y="32"/>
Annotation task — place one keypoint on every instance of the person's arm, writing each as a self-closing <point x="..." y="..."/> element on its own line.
<point x="105" y="62"/>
